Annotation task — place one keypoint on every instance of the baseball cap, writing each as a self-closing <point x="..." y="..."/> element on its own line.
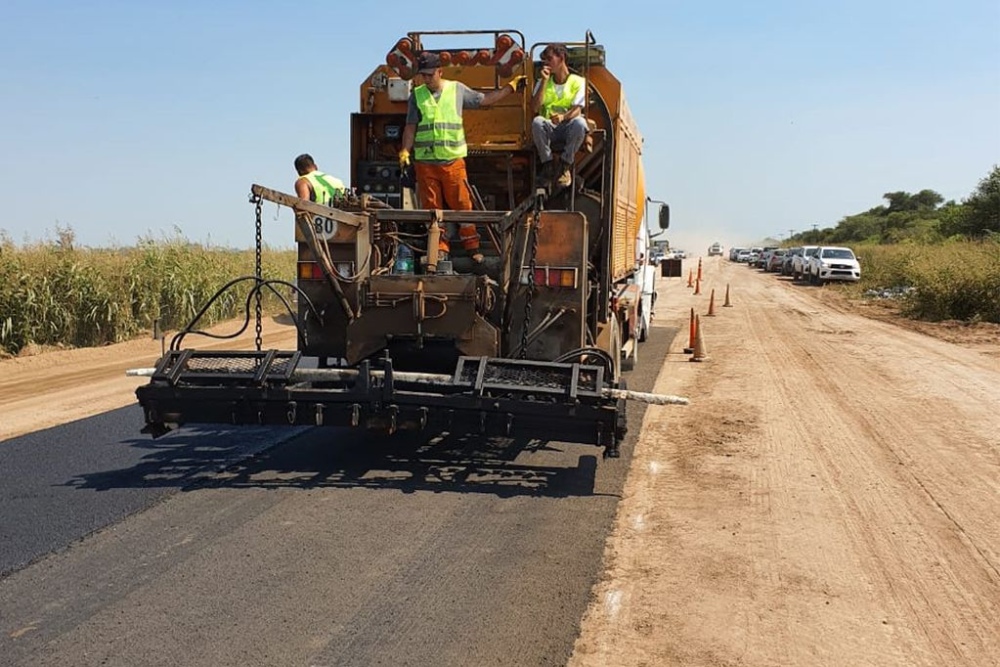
<point x="428" y="62"/>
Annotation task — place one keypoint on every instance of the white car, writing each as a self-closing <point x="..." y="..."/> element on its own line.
<point x="833" y="263"/>
<point x="800" y="263"/>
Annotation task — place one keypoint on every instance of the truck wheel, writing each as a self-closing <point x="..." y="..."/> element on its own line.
<point x="616" y="349"/>
<point x="629" y="362"/>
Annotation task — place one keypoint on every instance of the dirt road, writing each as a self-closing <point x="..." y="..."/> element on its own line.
<point x="831" y="496"/>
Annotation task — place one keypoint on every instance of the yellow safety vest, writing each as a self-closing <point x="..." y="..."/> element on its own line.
<point x="325" y="187"/>
<point x="553" y="103"/>
<point x="440" y="135"/>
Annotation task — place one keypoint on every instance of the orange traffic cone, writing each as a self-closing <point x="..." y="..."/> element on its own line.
<point x="700" y="354"/>
<point x="690" y="278"/>
<point x="699" y="268"/>
<point x="711" y="304"/>
<point x="697" y="286"/>
<point x="692" y="333"/>
<point x="727" y="304"/>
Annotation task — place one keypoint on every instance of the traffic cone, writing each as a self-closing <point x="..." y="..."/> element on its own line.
<point x="699" y="268"/>
<point x="727" y="304"/>
<point x="690" y="278"/>
<point x="697" y="286"/>
<point x="711" y="304"/>
<point x="700" y="354"/>
<point x="692" y="333"/>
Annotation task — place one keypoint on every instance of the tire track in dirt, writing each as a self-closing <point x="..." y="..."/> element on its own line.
<point x="849" y="405"/>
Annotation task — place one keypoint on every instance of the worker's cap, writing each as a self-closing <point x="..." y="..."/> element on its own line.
<point x="428" y="62"/>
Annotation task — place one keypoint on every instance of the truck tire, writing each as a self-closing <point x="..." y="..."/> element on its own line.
<point x="629" y="362"/>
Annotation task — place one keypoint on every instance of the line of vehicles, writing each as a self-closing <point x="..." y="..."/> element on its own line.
<point x="813" y="263"/>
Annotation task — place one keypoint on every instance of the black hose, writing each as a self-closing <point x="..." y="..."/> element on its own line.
<point x="178" y="338"/>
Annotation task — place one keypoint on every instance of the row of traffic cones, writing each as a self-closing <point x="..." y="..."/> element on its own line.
<point x="696" y="342"/>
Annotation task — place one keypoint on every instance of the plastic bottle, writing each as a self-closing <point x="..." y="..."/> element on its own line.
<point x="404" y="261"/>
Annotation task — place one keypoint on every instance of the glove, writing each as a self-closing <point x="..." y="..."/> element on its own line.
<point x="518" y="82"/>
<point x="404" y="159"/>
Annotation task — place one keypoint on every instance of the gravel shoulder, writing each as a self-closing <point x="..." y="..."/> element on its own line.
<point x="829" y="497"/>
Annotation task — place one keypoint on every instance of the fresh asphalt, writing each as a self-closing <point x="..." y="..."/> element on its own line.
<point x="62" y="484"/>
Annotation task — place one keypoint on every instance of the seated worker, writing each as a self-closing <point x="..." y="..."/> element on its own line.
<point x="558" y="100"/>
<point x="435" y="135"/>
<point x="313" y="184"/>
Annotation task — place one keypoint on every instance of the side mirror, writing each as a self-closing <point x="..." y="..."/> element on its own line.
<point x="664" y="216"/>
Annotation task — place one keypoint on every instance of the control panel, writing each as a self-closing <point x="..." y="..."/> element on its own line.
<point x="381" y="180"/>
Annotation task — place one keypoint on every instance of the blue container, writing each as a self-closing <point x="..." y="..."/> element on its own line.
<point x="404" y="261"/>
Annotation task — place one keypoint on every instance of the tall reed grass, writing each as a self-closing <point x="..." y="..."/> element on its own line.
<point x="53" y="294"/>
<point x="954" y="281"/>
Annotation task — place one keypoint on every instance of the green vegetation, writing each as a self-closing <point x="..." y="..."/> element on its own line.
<point x="923" y="217"/>
<point x="944" y="256"/>
<point x="56" y="294"/>
<point x="959" y="280"/>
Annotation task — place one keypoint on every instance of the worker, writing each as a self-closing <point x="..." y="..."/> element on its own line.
<point x="434" y="142"/>
<point x="557" y="100"/>
<point x="313" y="184"/>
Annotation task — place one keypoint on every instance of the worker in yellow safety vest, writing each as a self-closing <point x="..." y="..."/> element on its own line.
<point x="558" y="100"/>
<point x="313" y="184"/>
<point x="434" y="140"/>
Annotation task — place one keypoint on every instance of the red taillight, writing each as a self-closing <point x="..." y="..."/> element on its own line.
<point x="310" y="271"/>
<point x="551" y="277"/>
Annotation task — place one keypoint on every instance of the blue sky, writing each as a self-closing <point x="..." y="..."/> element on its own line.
<point x="127" y="119"/>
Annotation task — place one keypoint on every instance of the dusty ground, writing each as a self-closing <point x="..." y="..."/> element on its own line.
<point x="84" y="382"/>
<point x="829" y="498"/>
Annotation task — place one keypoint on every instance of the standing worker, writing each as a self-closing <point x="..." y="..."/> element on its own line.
<point x="313" y="184"/>
<point x="558" y="100"/>
<point x="434" y="138"/>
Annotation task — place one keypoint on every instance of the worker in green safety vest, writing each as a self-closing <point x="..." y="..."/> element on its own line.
<point x="558" y="100"/>
<point x="313" y="184"/>
<point x="434" y="142"/>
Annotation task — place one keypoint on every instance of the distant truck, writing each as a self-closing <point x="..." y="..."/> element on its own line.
<point x="715" y="249"/>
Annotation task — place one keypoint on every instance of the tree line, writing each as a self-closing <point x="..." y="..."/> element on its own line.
<point x="922" y="217"/>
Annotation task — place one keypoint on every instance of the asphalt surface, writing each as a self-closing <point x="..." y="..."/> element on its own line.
<point x="333" y="547"/>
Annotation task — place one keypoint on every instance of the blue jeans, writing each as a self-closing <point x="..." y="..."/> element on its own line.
<point x="569" y="135"/>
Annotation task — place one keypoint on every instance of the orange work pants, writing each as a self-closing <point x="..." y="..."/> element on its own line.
<point x="446" y="186"/>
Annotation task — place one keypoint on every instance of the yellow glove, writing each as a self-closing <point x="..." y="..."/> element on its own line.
<point x="404" y="159"/>
<point x="518" y="82"/>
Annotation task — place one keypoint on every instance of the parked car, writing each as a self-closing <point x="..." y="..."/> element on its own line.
<point x="786" y="261"/>
<point x="800" y="264"/>
<point x="743" y="255"/>
<point x="734" y="253"/>
<point x="774" y="260"/>
<point x="765" y="256"/>
<point x="833" y="263"/>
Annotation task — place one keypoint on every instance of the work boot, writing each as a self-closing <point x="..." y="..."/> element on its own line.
<point x="565" y="176"/>
<point x="544" y="175"/>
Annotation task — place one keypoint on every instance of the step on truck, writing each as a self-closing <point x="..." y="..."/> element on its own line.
<point x="529" y="343"/>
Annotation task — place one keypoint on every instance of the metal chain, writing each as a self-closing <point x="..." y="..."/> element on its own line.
<point x="258" y="206"/>
<point x="533" y="234"/>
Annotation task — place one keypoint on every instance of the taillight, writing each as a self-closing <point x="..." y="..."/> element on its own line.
<point x="313" y="271"/>
<point x="310" y="271"/>
<point x="549" y="276"/>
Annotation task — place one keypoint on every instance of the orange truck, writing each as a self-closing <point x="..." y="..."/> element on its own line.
<point x="532" y="343"/>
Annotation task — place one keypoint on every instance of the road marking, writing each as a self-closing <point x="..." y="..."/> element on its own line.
<point x="612" y="603"/>
<point x="17" y="633"/>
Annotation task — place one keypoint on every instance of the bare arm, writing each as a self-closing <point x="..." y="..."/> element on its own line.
<point x="495" y="96"/>
<point x="303" y="190"/>
<point x="409" y="132"/>
<point x="536" y="99"/>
